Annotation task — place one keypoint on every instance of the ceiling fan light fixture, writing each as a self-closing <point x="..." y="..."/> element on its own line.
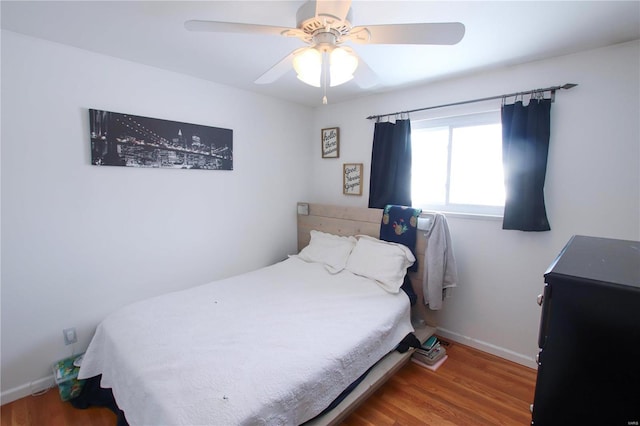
<point x="308" y="66"/>
<point x="342" y="65"/>
<point x="324" y="25"/>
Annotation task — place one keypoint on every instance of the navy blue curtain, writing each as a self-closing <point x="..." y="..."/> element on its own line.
<point x="390" y="181"/>
<point x="525" y="146"/>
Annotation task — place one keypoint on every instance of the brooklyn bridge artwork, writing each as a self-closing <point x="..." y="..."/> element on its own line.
<point x="133" y="141"/>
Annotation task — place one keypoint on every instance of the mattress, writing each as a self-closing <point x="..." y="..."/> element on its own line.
<point x="272" y="346"/>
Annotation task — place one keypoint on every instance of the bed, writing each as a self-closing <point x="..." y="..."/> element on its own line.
<point x="272" y="346"/>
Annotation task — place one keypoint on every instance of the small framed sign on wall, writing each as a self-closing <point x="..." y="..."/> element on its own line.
<point x="330" y="139"/>
<point x="352" y="178"/>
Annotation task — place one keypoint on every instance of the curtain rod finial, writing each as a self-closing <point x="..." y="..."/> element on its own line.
<point x="569" y="86"/>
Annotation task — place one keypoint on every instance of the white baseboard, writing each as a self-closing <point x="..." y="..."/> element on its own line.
<point x="27" y="389"/>
<point x="527" y="361"/>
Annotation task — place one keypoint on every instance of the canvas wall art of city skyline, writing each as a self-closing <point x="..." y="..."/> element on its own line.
<point x="134" y="141"/>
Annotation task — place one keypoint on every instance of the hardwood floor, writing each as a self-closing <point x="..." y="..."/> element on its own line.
<point x="471" y="388"/>
<point x="49" y="410"/>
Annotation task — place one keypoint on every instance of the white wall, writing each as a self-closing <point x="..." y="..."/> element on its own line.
<point x="79" y="241"/>
<point x="592" y="186"/>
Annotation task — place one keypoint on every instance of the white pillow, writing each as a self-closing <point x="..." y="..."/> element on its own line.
<point x="328" y="249"/>
<point x="383" y="261"/>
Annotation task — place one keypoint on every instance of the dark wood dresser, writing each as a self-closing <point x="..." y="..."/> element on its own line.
<point x="589" y="338"/>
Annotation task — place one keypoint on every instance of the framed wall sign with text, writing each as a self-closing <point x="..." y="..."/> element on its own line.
<point x="331" y="142"/>
<point x="352" y="179"/>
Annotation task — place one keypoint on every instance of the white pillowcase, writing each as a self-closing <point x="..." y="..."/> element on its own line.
<point x="383" y="261"/>
<point x="328" y="249"/>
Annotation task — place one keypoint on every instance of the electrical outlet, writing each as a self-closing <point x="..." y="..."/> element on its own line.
<point x="69" y="336"/>
<point x="303" y="209"/>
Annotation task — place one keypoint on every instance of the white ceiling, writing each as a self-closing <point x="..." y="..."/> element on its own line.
<point x="498" y="33"/>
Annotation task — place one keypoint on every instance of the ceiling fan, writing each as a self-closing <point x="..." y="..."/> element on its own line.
<point x="325" y="25"/>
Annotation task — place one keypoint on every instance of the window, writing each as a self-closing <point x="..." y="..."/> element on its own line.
<point x="457" y="164"/>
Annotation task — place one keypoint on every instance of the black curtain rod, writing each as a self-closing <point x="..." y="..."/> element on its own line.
<point x="547" y="89"/>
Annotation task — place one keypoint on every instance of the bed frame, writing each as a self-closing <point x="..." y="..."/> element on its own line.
<point x="340" y="220"/>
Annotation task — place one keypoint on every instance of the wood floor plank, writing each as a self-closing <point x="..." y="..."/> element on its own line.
<point x="48" y="409"/>
<point x="471" y="388"/>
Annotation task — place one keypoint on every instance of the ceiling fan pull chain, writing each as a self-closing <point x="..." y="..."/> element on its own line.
<point x="325" y="73"/>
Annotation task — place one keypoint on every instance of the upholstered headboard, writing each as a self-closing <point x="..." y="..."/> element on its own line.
<point x="342" y="220"/>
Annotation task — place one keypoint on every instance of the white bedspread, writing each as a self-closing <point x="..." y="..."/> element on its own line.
<point x="269" y="347"/>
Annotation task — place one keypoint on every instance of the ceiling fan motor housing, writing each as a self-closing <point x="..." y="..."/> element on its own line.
<point x="312" y="25"/>
<point x="325" y="40"/>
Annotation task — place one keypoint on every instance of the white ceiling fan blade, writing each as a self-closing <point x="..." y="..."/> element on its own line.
<point x="332" y="10"/>
<point x="279" y="69"/>
<point x="234" y="27"/>
<point x="446" y="33"/>
<point x="364" y="76"/>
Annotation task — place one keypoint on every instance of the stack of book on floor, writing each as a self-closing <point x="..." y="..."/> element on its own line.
<point x="431" y="354"/>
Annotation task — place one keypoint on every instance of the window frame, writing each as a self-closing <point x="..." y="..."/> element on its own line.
<point x="450" y="122"/>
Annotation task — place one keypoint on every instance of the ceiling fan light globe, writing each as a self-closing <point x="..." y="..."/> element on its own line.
<point x="342" y="66"/>
<point x="308" y="66"/>
<point x="311" y="80"/>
